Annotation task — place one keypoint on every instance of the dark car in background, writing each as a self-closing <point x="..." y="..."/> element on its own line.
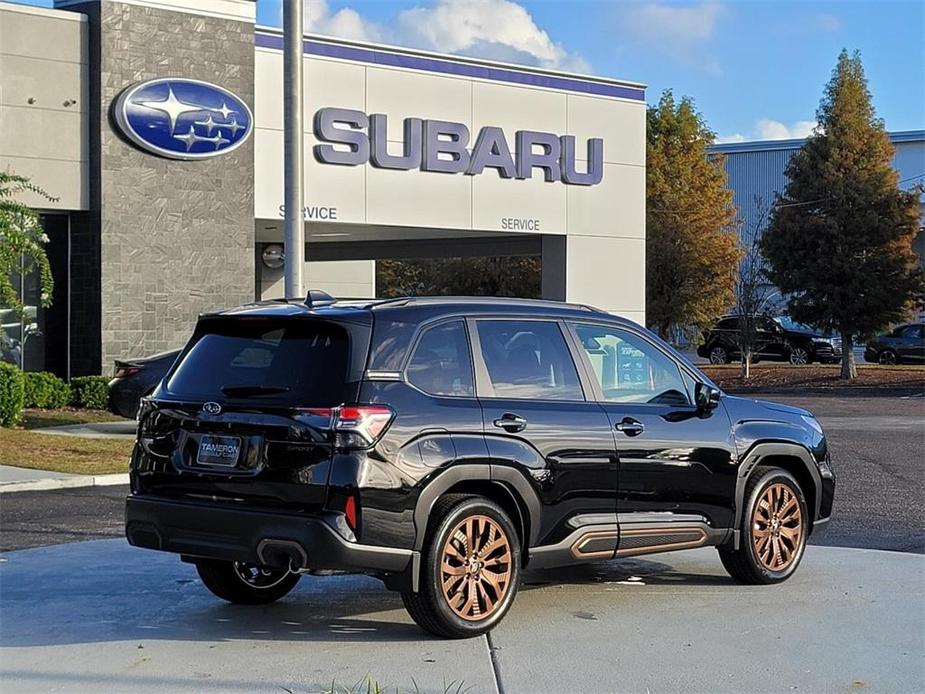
<point x="903" y="345"/>
<point x="777" y="339"/>
<point x="132" y="379"/>
<point x="443" y="445"/>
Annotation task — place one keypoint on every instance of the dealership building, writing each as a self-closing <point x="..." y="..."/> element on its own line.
<point x="157" y="127"/>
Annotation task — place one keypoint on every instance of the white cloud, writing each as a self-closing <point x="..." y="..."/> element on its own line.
<point x="768" y="129"/>
<point x="775" y="130"/>
<point x="492" y="29"/>
<point x="685" y="23"/>
<point x="727" y="139"/>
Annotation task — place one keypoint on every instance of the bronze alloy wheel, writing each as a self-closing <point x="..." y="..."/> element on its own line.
<point x="475" y="569"/>
<point x="777" y="527"/>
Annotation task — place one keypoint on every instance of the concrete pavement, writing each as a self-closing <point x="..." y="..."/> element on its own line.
<point x="20" y="479"/>
<point x="140" y="621"/>
<point x="121" y="429"/>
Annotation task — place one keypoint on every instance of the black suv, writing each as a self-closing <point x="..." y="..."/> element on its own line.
<point x="443" y="445"/>
<point x="904" y="345"/>
<point x="776" y="339"/>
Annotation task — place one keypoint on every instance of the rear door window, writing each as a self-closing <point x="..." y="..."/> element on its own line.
<point x="441" y="364"/>
<point x="290" y="362"/>
<point x="527" y="359"/>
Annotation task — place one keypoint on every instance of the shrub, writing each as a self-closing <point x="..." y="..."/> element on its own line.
<point x="91" y="392"/>
<point x="11" y="394"/>
<point x="43" y="389"/>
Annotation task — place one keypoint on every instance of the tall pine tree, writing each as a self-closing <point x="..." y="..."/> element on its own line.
<point x="840" y="239"/>
<point x="691" y="246"/>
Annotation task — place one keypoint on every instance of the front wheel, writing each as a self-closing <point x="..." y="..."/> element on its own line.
<point x="470" y="570"/>
<point x="774" y="529"/>
<point x="888" y="357"/>
<point x="800" y="356"/>
<point x="243" y="583"/>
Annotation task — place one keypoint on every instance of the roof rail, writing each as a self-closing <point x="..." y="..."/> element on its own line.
<point x="316" y="298"/>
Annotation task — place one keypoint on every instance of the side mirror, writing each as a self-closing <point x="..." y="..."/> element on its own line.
<point x="707" y="397"/>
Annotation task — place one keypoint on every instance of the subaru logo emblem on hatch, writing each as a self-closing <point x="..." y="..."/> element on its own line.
<point x="212" y="408"/>
<point x="182" y="118"/>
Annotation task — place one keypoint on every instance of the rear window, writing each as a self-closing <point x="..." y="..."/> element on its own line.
<point x="291" y="362"/>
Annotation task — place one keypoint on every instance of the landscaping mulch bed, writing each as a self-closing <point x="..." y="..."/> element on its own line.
<point x="818" y="378"/>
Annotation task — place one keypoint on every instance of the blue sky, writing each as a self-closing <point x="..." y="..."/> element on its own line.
<point x="756" y="69"/>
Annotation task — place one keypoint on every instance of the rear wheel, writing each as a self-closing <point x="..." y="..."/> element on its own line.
<point x="244" y="583"/>
<point x="719" y="355"/>
<point x="470" y="570"/>
<point x="774" y="529"/>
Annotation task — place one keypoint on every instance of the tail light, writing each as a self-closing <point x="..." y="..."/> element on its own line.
<point x="360" y="426"/>
<point x="124" y="371"/>
<point x="350" y="512"/>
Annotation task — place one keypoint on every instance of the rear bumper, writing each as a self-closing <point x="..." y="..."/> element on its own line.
<point x="213" y="531"/>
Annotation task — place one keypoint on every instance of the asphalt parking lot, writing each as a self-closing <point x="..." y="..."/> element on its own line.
<point x="113" y="618"/>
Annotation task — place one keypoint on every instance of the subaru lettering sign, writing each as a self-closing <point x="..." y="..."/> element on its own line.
<point x="183" y="118"/>
<point x="443" y="146"/>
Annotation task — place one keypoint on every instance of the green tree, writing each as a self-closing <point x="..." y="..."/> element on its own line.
<point x="22" y="242"/>
<point x="692" y="252"/>
<point x="840" y="240"/>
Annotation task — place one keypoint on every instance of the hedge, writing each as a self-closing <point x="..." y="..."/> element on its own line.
<point x="11" y="394"/>
<point x="91" y="392"/>
<point x="43" y="389"/>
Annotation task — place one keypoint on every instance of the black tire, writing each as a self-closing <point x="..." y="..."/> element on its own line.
<point x="226" y="579"/>
<point x="800" y="356"/>
<point x="744" y="564"/>
<point x="719" y="355"/>
<point x="887" y="357"/>
<point x="430" y="607"/>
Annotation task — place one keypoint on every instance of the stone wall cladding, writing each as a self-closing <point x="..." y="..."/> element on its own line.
<point x="177" y="237"/>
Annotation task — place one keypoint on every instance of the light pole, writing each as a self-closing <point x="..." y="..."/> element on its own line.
<point x="294" y="225"/>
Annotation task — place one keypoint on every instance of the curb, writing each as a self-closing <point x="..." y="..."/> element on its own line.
<point x="65" y="483"/>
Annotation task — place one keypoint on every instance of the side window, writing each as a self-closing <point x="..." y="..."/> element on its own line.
<point x="728" y="324"/>
<point x="630" y="369"/>
<point x="441" y="364"/>
<point x="528" y="359"/>
<point x="912" y="332"/>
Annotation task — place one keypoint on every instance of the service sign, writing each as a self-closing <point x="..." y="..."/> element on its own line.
<point x="183" y="118"/>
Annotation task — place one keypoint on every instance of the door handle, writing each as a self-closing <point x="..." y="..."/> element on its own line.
<point x="630" y="426"/>
<point x="511" y="422"/>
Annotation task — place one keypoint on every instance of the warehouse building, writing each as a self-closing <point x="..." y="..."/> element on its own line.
<point x="756" y="172"/>
<point x="157" y="127"/>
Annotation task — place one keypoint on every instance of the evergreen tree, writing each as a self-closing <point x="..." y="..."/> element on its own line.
<point x="692" y="250"/>
<point x="840" y="239"/>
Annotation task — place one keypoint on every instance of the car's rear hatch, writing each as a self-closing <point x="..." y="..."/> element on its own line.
<point x="244" y="416"/>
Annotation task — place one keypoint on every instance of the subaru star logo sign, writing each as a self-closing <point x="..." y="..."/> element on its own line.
<point x="183" y="118"/>
<point x="212" y="408"/>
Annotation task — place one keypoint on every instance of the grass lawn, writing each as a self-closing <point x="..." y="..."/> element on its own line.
<point x="30" y="449"/>
<point x="36" y="418"/>
<point x="871" y="377"/>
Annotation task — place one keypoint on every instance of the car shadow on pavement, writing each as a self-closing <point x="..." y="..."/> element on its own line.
<point x="131" y="596"/>
<point x="621" y="572"/>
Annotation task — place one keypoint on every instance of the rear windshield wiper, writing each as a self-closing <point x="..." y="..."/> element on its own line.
<point x="244" y="391"/>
